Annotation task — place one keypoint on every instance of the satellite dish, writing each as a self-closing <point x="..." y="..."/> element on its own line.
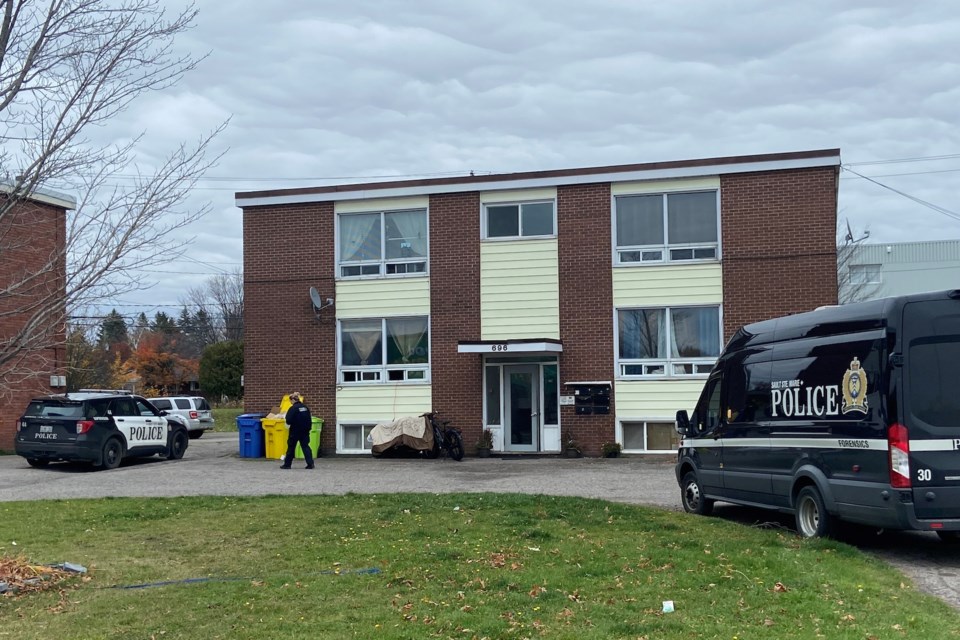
<point x="315" y="298"/>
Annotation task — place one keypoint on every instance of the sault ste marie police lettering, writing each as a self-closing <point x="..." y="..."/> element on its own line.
<point x="791" y="399"/>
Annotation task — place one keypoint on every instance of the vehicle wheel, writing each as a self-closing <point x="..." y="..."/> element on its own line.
<point x="691" y="493"/>
<point x="949" y="537"/>
<point x="455" y="445"/>
<point x="112" y="454"/>
<point x="813" y="521"/>
<point x="37" y="463"/>
<point x="195" y="434"/>
<point x="178" y="445"/>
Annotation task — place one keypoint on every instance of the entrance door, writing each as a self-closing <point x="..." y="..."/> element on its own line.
<point x="521" y="385"/>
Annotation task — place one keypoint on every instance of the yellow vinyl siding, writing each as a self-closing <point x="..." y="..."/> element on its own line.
<point x="383" y="297"/>
<point x="518" y="195"/>
<point x="381" y="204"/>
<point x="660" y="186"/>
<point x="655" y="399"/>
<point x="519" y="290"/>
<point x="671" y="285"/>
<point x="376" y="402"/>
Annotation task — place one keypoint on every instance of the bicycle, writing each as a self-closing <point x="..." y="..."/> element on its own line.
<point x="445" y="438"/>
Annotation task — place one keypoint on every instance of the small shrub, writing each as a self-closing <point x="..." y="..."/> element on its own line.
<point x="611" y="449"/>
<point x="486" y="439"/>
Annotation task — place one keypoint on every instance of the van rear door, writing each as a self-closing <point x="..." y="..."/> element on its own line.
<point x="931" y="405"/>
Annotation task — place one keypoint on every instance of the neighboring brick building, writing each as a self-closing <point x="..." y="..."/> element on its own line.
<point x="584" y="304"/>
<point x="32" y="277"/>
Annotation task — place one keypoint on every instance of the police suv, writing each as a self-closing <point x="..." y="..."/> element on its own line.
<point x="98" y="426"/>
<point x="849" y="412"/>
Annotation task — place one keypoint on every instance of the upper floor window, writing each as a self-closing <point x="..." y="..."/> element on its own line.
<point x="677" y="341"/>
<point x="521" y="220"/>
<point x="667" y="227"/>
<point x="385" y="350"/>
<point x="383" y="243"/>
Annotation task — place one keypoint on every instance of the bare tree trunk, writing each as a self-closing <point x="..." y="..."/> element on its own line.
<point x="67" y="66"/>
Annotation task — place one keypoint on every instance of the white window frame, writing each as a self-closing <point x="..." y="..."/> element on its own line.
<point x="383" y="263"/>
<point x="365" y="426"/>
<point x="660" y="368"/>
<point x="418" y="373"/>
<point x="659" y="254"/>
<point x="859" y="274"/>
<point x="484" y="229"/>
<point x="645" y="422"/>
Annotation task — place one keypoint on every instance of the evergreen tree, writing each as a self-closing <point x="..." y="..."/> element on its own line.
<point x="220" y="369"/>
<point x="113" y="330"/>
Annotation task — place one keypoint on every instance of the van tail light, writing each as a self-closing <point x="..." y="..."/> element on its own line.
<point x="194" y="415"/>
<point x="83" y="426"/>
<point x="899" y="456"/>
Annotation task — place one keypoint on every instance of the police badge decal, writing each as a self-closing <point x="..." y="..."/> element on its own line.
<point x="854" y="389"/>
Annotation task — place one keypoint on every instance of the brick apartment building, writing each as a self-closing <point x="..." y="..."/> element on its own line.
<point x="32" y="243"/>
<point x="584" y="304"/>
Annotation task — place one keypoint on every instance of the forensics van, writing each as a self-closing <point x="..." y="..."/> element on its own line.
<point x="846" y="413"/>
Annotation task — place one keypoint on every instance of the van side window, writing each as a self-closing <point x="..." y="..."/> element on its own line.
<point x="709" y="411"/>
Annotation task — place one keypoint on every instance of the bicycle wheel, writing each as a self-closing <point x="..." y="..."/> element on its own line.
<point x="454" y="444"/>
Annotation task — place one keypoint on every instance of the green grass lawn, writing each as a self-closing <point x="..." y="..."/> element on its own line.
<point x="443" y="566"/>
<point x="225" y="419"/>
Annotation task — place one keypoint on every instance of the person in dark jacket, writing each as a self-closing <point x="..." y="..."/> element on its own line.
<point x="299" y="421"/>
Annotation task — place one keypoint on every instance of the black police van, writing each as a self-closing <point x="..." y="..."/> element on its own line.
<point x="98" y="426"/>
<point x="845" y="413"/>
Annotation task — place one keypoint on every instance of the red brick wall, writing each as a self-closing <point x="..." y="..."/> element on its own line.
<point x="779" y="243"/>
<point x="586" y="305"/>
<point x="31" y="236"/>
<point x="286" y="250"/>
<point x="455" y="311"/>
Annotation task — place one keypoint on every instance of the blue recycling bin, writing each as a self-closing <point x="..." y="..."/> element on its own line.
<point x="251" y="435"/>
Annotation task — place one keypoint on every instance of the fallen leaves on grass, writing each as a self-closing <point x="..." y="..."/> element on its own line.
<point x="23" y="577"/>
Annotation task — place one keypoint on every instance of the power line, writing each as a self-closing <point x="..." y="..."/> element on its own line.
<point x="912" y="173"/>
<point x="929" y="205"/>
<point x="951" y="156"/>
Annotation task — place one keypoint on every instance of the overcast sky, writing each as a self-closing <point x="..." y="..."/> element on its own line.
<point x="334" y="91"/>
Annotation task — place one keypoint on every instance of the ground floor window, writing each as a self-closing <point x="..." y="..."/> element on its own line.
<point x="353" y="437"/>
<point x="649" y="436"/>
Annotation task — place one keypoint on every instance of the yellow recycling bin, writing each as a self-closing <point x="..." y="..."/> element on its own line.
<point x="274" y="436"/>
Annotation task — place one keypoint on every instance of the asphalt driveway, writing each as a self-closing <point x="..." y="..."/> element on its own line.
<point x="211" y="466"/>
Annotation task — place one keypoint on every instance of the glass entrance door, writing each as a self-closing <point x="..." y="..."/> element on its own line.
<point x="521" y="385"/>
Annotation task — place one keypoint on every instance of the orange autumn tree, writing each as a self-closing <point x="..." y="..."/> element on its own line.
<point x="159" y="366"/>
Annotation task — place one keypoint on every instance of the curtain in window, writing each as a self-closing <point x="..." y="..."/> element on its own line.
<point x="407" y="333"/>
<point x="406" y="234"/>
<point x="639" y="220"/>
<point x="696" y="332"/>
<point x="364" y="338"/>
<point x="692" y="217"/>
<point x="360" y="237"/>
<point x="642" y="333"/>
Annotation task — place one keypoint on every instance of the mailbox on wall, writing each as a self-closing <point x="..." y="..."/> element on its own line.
<point x="590" y="397"/>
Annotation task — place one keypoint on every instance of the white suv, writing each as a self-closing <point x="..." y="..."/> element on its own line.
<point x="194" y="409"/>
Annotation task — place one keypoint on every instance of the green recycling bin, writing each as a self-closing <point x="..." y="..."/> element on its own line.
<point x="315" y="428"/>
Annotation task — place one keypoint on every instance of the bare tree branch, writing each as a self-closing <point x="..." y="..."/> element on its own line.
<point x="849" y="288"/>
<point x="67" y="66"/>
<point x="221" y="298"/>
